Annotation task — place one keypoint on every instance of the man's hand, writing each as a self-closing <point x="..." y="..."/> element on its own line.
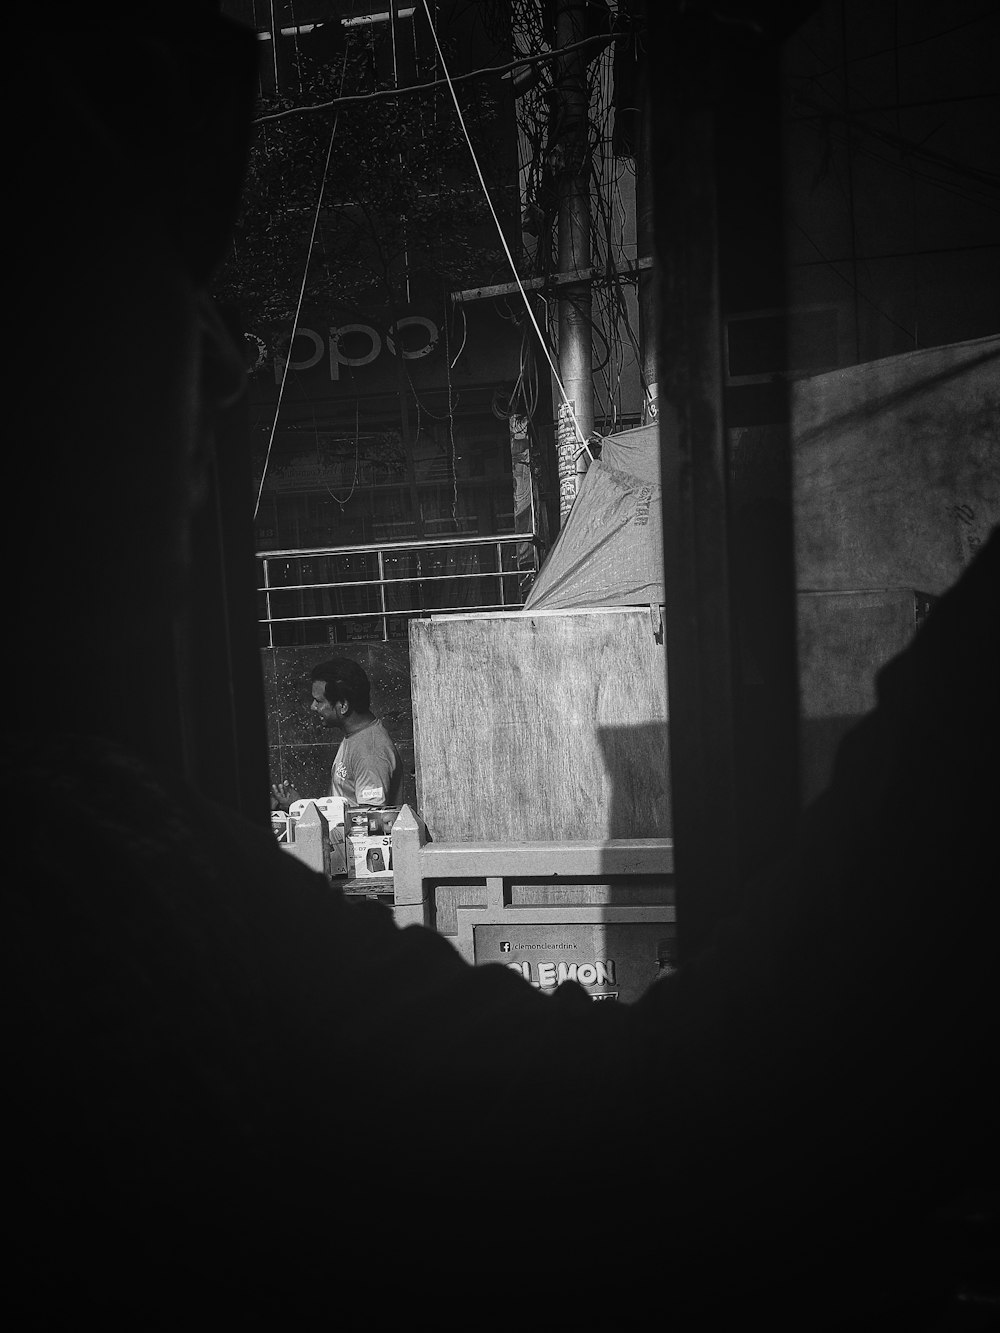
<point x="282" y="795"/>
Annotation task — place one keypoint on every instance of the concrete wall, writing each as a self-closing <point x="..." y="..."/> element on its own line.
<point x="844" y="640"/>
<point x="896" y="468"/>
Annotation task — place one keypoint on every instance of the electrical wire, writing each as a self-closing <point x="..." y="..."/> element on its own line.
<point x="832" y="264"/>
<point x="465" y="330"/>
<point x="302" y="292"/>
<point x="425" y="87"/>
<point x="904" y="168"/>
<point x="357" y="459"/>
<point x="503" y="239"/>
<point x="907" y="147"/>
<point x="888" y="50"/>
<point x="610" y="317"/>
<point x="452" y="450"/>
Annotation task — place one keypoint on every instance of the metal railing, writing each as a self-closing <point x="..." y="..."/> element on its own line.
<point x="367" y="590"/>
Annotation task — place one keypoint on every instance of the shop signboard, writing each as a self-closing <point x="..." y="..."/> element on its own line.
<point x="611" y="960"/>
<point x="365" y="355"/>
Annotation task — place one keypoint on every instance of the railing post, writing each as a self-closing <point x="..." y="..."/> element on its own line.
<point x="267" y="601"/>
<point x="409" y="834"/>
<point x="310" y="842"/>
<point x="381" y="593"/>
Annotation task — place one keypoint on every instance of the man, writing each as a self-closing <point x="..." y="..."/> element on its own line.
<point x="231" y="1099"/>
<point x="367" y="769"/>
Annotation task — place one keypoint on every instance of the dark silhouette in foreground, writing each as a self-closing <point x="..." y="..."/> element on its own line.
<point x="234" y="1100"/>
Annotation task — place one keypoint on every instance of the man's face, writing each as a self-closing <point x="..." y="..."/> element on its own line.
<point x="329" y="714"/>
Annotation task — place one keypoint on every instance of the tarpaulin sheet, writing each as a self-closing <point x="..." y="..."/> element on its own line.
<point x="635" y="451"/>
<point x="896" y="472"/>
<point x="610" y="550"/>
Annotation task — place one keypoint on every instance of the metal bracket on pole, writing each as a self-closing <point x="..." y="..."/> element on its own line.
<point x="595" y="276"/>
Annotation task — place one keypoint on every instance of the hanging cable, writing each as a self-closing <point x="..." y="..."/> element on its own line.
<point x="302" y="292"/>
<point x="452" y="459"/>
<point x="357" y="459"/>
<point x="503" y="239"/>
<point x="465" y="330"/>
<point x="380" y="93"/>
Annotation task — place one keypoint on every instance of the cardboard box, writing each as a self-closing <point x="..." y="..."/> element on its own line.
<point x="369" y="840"/>
<point x="332" y="810"/>
<point x="338" y="850"/>
<point x="281" y="825"/>
<point x="369" y="856"/>
<point x="370" y="820"/>
<point x="330" y="807"/>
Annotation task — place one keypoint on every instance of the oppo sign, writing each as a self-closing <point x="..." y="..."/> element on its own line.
<point x="357" y="345"/>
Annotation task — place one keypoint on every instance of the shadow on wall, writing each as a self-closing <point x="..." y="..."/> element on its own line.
<point x="845" y="638"/>
<point x="637" y="761"/>
<point x="300" y="749"/>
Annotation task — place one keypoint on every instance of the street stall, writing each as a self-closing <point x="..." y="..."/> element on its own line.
<point x="351" y="845"/>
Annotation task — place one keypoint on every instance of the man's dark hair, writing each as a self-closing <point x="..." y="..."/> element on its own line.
<point x="344" y="680"/>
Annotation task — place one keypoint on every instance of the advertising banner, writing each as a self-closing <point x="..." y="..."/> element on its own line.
<point x="610" y="960"/>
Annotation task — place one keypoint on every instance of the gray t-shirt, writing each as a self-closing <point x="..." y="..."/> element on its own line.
<point x="367" y="769"/>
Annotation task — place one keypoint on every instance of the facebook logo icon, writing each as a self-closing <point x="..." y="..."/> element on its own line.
<point x="505" y="946"/>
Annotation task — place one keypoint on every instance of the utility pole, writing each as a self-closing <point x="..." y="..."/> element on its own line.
<point x="570" y="157"/>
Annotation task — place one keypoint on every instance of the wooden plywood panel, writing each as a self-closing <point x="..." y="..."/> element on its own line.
<point x="541" y="727"/>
